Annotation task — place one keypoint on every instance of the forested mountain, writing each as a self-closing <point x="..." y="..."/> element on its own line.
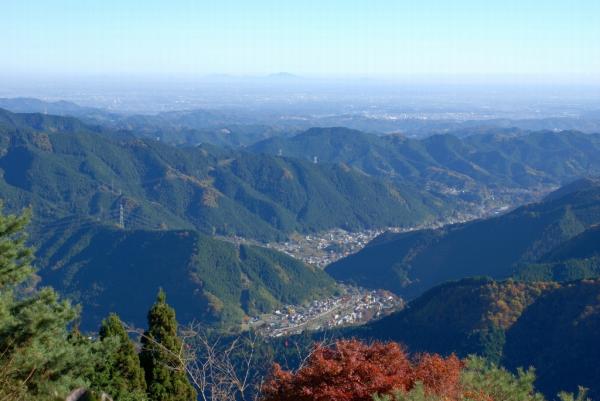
<point x="441" y="162"/>
<point x="111" y="270"/>
<point x="63" y="169"/>
<point x="379" y="181"/>
<point x="499" y="247"/>
<point x="550" y="326"/>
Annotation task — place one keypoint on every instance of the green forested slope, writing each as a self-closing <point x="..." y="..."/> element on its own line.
<point x="113" y="270"/>
<point x="65" y="172"/>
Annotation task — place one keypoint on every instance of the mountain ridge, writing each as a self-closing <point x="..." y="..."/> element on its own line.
<point x="213" y="189"/>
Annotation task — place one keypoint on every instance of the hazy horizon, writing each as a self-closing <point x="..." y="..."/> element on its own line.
<point x="147" y="56"/>
<point x="349" y="38"/>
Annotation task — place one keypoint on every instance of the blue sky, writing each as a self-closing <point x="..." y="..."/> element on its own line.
<point x="325" y="37"/>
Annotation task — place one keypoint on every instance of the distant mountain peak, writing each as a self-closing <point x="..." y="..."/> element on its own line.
<point x="283" y="75"/>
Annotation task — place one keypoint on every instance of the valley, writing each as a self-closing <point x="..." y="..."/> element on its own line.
<point x="323" y="248"/>
<point x="372" y="236"/>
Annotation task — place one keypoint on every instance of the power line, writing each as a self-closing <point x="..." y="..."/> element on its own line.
<point x="121" y="217"/>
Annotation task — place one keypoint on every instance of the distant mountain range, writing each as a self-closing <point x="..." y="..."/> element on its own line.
<point x="59" y="108"/>
<point x="242" y="126"/>
<point x="192" y="127"/>
<point x="535" y="241"/>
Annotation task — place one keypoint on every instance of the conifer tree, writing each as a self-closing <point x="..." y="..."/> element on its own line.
<point x="38" y="360"/>
<point x="161" y="347"/>
<point x="120" y="374"/>
<point x="15" y="256"/>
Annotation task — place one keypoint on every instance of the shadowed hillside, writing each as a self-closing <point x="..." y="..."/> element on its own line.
<point x="499" y="247"/>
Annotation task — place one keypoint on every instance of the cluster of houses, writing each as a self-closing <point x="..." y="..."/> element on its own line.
<point x="355" y="306"/>
<point x="325" y="248"/>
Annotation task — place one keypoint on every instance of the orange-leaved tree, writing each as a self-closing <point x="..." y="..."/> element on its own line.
<point x="353" y="371"/>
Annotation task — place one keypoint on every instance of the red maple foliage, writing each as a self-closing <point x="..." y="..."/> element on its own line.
<point x="354" y="371"/>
